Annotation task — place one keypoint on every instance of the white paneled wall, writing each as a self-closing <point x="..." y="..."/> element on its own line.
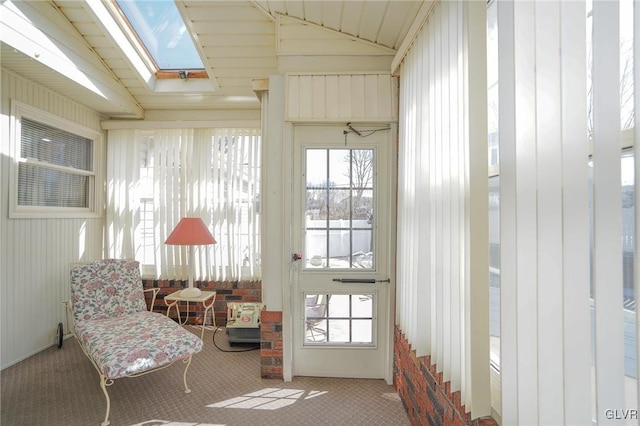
<point x="35" y="253"/>
<point x="341" y="97"/>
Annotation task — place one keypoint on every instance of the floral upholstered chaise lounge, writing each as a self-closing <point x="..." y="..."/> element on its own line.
<point x="115" y="329"/>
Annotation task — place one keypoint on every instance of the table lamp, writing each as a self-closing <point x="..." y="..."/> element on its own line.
<point x="190" y="231"/>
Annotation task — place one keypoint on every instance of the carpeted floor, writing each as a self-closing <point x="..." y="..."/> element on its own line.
<point x="61" y="387"/>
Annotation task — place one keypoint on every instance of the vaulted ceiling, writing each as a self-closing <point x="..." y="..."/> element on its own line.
<point x="240" y="41"/>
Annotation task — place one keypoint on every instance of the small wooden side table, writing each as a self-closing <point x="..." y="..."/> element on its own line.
<point x="206" y="298"/>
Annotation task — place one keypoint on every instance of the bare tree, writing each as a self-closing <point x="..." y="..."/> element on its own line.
<point x="324" y="201"/>
<point x="361" y="172"/>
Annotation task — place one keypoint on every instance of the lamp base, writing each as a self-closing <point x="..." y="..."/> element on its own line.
<point x="190" y="292"/>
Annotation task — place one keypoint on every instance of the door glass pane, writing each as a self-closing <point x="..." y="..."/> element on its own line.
<point x="339" y="318"/>
<point x="338" y="330"/>
<point x="362" y="306"/>
<point x="361" y="331"/>
<point x="339" y="208"/>
<point x="339" y="306"/>
<point x="317" y="175"/>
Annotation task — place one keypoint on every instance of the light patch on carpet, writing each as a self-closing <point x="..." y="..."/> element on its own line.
<point x="313" y="394"/>
<point x="392" y="396"/>
<point x="264" y="391"/>
<point x="232" y="401"/>
<point x="275" y="404"/>
<point x="267" y="399"/>
<point x="168" y="423"/>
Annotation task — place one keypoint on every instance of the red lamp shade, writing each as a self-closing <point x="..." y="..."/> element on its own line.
<point x="190" y="231"/>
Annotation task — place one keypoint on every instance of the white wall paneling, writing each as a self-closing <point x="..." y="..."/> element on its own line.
<point x="35" y="253"/>
<point x="298" y="37"/>
<point x="341" y="97"/>
<point x="303" y="46"/>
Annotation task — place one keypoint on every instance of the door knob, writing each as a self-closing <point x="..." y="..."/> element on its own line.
<point x="295" y="257"/>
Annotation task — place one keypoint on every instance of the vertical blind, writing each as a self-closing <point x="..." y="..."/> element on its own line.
<point x="155" y="178"/>
<point x="561" y="234"/>
<point x="569" y="351"/>
<point x="442" y="304"/>
<point x="544" y="228"/>
<point x="607" y="211"/>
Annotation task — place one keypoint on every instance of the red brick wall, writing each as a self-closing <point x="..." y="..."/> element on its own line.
<point x="231" y="291"/>
<point x="271" y="345"/>
<point x="427" y="399"/>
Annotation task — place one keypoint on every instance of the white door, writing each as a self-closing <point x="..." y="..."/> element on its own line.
<point x="342" y="225"/>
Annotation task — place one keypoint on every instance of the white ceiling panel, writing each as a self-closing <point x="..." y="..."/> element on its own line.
<point x="372" y="17"/>
<point x="210" y="39"/>
<point x="401" y="17"/>
<point x="332" y="14"/>
<point x="314" y="12"/>
<point x="237" y="39"/>
<point x="352" y="17"/>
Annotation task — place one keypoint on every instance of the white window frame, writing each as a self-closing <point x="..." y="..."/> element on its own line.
<point x="96" y="190"/>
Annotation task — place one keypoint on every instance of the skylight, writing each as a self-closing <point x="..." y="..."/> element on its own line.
<point x="161" y="29"/>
